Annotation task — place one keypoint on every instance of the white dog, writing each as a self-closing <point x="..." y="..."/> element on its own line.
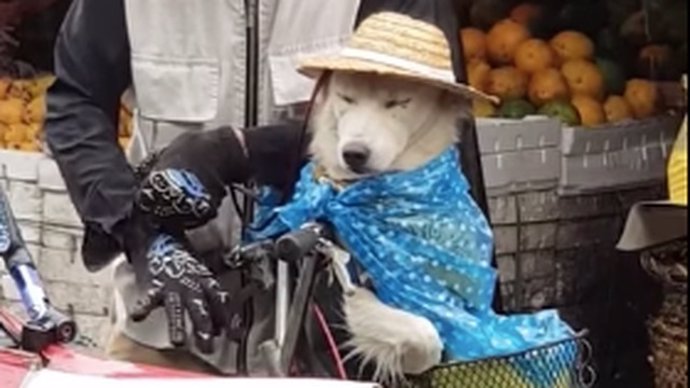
<point x="365" y="125"/>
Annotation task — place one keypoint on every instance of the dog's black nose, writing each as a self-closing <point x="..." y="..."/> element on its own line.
<point x="356" y="156"/>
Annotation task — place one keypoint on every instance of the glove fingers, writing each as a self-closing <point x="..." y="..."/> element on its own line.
<point x="144" y="307"/>
<point x="201" y="321"/>
<point x="217" y="299"/>
<point x="174" y="310"/>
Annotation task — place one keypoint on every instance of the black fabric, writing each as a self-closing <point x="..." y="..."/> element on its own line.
<point x="442" y="13"/>
<point x="92" y="69"/>
<point x="273" y="150"/>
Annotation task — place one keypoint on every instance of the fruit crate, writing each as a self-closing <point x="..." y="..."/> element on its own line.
<point x="519" y="155"/>
<point x="616" y="157"/>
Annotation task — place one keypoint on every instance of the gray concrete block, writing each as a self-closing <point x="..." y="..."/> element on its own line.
<point x="31" y="231"/>
<point x="538" y="206"/>
<point x="59" y="239"/>
<point x="34" y="251"/>
<point x="49" y="177"/>
<point x="507" y="268"/>
<point x="589" y="206"/>
<point x="537" y="264"/>
<point x="67" y="266"/>
<point x="21" y="166"/>
<point x="578" y="234"/>
<point x="58" y="209"/>
<point x="503" y="210"/>
<point x="539" y="293"/>
<point x="79" y="298"/>
<point x="628" y="198"/>
<point x="506" y="239"/>
<point x="94" y="330"/>
<point x="538" y="236"/>
<point x="26" y="200"/>
<point x="9" y="290"/>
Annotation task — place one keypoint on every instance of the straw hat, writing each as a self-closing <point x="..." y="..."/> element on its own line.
<point x="394" y="44"/>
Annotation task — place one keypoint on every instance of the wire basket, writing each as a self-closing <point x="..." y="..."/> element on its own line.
<point x="563" y="364"/>
<point x="668" y="330"/>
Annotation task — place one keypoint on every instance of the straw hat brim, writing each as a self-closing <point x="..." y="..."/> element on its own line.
<point x="313" y="67"/>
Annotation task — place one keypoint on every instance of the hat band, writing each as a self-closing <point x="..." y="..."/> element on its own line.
<point x="401" y="63"/>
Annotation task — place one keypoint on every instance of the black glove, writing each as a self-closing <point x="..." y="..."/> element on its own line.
<point x="181" y="284"/>
<point x="183" y="185"/>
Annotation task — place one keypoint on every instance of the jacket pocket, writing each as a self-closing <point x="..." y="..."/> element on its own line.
<point x="177" y="90"/>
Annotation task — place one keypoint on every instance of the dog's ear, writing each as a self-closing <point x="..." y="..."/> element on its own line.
<point x="322" y="90"/>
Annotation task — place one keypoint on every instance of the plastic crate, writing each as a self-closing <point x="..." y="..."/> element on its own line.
<point x="619" y="157"/>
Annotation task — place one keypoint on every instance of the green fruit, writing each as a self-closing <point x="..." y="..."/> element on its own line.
<point x="516" y="109"/>
<point x="614" y="76"/>
<point x="562" y="110"/>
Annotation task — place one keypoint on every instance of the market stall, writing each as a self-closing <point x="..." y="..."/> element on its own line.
<point x="591" y="104"/>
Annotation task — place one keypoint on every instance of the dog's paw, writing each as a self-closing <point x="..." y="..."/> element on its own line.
<point x="423" y="349"/>
<point x="396" y="342"/>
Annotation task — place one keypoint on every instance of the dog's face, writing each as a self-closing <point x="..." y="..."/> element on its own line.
<point x="364" y="124"/>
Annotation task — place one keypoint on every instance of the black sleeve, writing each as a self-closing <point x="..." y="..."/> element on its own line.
<point x="92" y="71"/>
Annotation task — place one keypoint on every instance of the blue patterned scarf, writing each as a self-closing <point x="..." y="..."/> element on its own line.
<point x="427" y="248"/>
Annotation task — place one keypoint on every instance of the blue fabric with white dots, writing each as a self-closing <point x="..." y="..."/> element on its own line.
<point x="427" y="248"/>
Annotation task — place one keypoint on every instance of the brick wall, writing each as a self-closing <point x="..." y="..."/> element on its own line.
<point x="53" y="233"/>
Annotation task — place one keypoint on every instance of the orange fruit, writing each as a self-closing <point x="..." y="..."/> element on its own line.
<point x="534" y="55"/>
<point x="36" y="110"/>
<point x="29" y="146"/>
<point x="503" y="40"/>
<point x="478" y="74"/>
<point x="547" y="85"/>
<point x="617" y="109"/>
<point x="507" y="83"/>
<point x="584" y="78"/>
<point x="4" y="87"/>
<point x="525" y="13"/>
<point x="12" y="110"/>
<point x="473" y="43"/>
<point x="643" y="97"/>
<point x="16" y="134"/>
<point x="571" y="45"/>
<point x="591" y="111"/>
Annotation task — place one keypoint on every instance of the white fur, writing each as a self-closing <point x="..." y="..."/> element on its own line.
<point x="396" y="341"/>
<point x="404" y="125"/>
<point x="353" y="108"/>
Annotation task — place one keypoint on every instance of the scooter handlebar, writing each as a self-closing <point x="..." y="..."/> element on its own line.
<point x="295" y="245"/>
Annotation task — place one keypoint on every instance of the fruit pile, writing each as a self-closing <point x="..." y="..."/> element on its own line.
<point x="22" y="113"/>
<point x="558" y="76"/>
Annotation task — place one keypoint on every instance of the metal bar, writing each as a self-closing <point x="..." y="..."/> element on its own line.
<point x="471" y="161"/>
<point x="282" y="301"/>
<point x="298" y="310"/>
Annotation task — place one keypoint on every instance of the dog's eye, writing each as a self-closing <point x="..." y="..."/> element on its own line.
<point x="395" y="103"/>
<point x="347" y="99"/>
